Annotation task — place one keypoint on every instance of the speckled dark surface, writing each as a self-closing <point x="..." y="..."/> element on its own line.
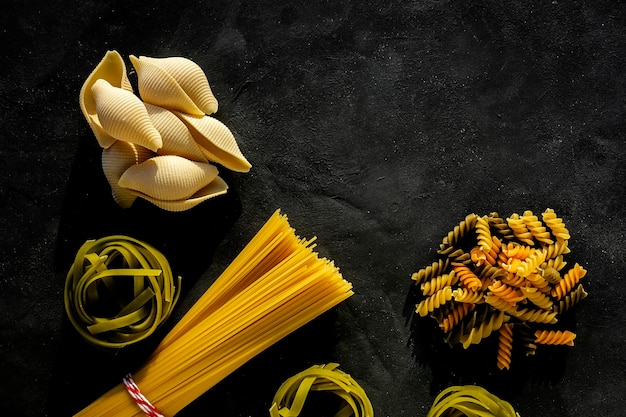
<point x="375" y="126"/>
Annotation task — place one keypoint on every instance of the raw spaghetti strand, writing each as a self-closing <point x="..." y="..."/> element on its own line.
<point x="276" y="284"/>
<point x="118" y="291"/>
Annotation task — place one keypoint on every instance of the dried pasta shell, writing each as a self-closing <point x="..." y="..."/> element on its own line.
<point x="112" y="69"/>
<point x="217" y="187"/>
<point x="168" y="177"/>
<point x="123" y="116"/>
<point x="216" y="142"/>
<point x="176" y="137"/>
<point x="175" y="83"/>
<point x="115" y="161"/>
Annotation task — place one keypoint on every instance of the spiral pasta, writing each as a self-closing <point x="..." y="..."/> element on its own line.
<point x="506" y="271"/>
<point x="555" y="337"/>
<point x="536" y="228"/>
<point x="434" y="301"/>
<point x="505" y="346"/>
<point x="570" y="279"/>
<point x="571" y="299"/>
<point x="555" y="224"/>
<point x="437" y="283"/>
<point x="521" y="232"/>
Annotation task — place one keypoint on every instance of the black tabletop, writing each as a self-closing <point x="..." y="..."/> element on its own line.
<point x="375" y="126"/>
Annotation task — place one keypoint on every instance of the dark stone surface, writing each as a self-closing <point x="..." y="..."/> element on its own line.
<point x="375" y="126"/>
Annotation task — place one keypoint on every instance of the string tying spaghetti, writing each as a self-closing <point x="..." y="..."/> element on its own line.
<point x="142" y="402"/>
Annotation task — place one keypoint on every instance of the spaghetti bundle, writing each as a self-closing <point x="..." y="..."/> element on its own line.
<point x="275" y="285"/>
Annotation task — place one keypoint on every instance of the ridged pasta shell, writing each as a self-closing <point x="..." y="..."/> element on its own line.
<point x="116" y="159"/>
<point x="123" y="116"/>
<point x="216" y="141"/>
<point x="168" y="177"/>
<point x="175" y="83"/>
<point x="112" y="69"/>
<point x="175" y="135"/>
<point x="217" y="187"/>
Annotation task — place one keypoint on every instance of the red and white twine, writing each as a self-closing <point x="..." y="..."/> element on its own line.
<point x="142" y="402"/>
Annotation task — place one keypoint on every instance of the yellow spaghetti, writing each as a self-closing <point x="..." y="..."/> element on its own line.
<point x="274" y="286"/>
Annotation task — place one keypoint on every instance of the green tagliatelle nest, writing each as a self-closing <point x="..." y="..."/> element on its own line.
<point x="118" y="291"/>
<point x="506" y="277"/>
<point x="470" y="401"/>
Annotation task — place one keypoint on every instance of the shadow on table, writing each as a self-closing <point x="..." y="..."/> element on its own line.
<point x="188" y="240"/>
<point x="454" y="365"/>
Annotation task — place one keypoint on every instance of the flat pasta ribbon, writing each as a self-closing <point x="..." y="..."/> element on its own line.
<point x="118" y="291"/>
<point x="290" y="397"/>
<point x="470" y="401"/>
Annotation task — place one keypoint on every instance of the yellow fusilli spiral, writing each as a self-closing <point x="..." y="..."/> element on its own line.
<point x="467" y="278"/>
<point x="438" y="282"/>
<point x="517" y="251"/>
<point x="455" y="316"/>
<point x="556" y="249"/>
<point x="537" y="298"/>
<point x="483" y="234"/>
<point x="536" y="228"/>
<point x="500" y="304"/>
<point x="459" y="231"/>
<point x="508" y="294"/>
<point x="505" y="346"/>
<point x="530" y="264"/>
<point x="536" y="316"/>
<point x="431" y="271"/>
<point x="555" y="224"/>
<point x="557" y="262"/>
<point x="463" y="295"/>
<point x="484" y="329"/>
<point x="555" y="337"/>
<point x="572" y="298"/>
<point x="570" y="279"/>
<point x="520" y="230"/>
<point x="434" y="301"/>
<point x="539" y="282"/>
<point x="500" y="226"/>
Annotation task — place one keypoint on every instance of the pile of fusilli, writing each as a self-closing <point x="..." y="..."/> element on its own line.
<point x="495" y="274"/>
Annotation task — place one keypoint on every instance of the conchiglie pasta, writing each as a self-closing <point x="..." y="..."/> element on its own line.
<point x="113" y="70"/>
<point x="123" y="116"/>
<point x="175" y="92"/>
<point x="174" y="83"/>
<point x="216" y="142"/>
<point x="168" y="177"/>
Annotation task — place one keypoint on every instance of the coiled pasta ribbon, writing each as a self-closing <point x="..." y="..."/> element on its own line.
<point x="290" y="397"/>
<point x="470" y="401"/>
<point x="118" y="291"/>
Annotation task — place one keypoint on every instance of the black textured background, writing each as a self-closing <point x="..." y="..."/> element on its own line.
<point x="376" y="126"/>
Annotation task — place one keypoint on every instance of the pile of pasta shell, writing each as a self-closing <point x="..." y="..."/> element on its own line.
<point x="163" y="145"/>
<point x="502" y="277"/>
